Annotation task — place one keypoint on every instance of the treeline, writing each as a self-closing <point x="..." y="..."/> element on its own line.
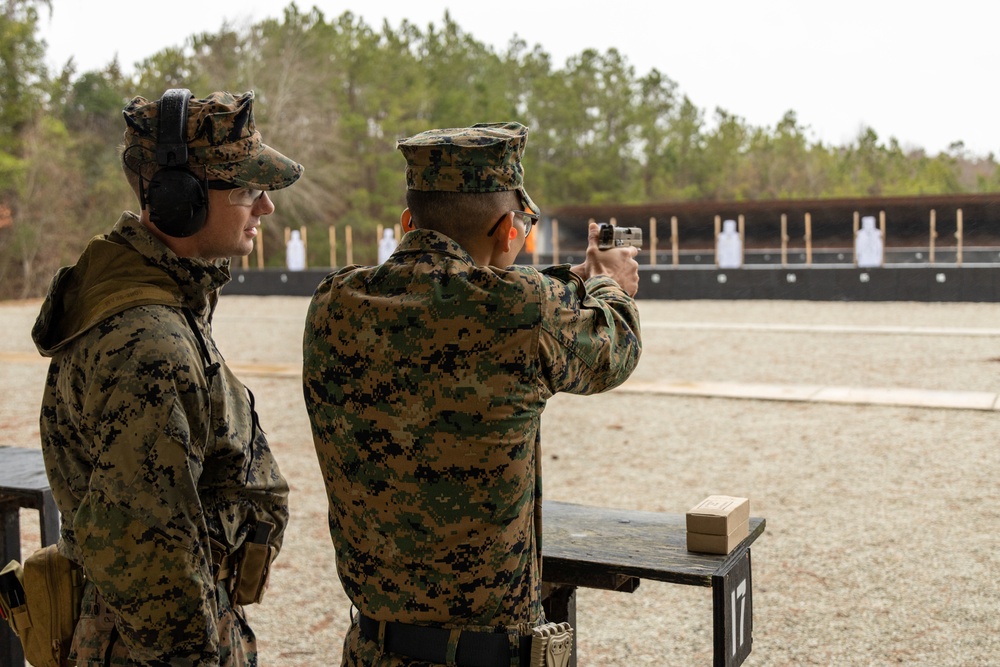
<point x="335" y="93"/>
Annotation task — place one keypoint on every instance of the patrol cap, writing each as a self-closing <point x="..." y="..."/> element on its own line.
<point x="221" y="137"/>
<point x="485" y="157"/>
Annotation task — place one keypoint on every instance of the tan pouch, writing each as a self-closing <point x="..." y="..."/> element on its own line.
<point x="551" y="645"/>
<point x="253" y="569"/>
<point x="12" y="603"/>
<point x="52" y="588"/>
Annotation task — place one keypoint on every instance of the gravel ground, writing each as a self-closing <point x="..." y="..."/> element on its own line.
<point x="881" y="542"/>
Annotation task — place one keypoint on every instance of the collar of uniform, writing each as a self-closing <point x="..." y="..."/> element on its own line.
<point x="429" y="240"/>
<point x="198" y="280"/>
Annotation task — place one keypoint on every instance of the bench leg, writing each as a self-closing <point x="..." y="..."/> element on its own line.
<point x="10" y="542"/>
<point x="560" y="606"/>
<point x="732" y="610"/>
<point x="48" y="519"/>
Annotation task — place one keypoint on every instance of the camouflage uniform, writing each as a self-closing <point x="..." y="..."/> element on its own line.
<point x="222" y="138"/>
<point x="153" y="452"/>
<point x="425" y="379"/>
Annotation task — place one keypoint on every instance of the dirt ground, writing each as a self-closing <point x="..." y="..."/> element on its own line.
<point x="882" y="520"/>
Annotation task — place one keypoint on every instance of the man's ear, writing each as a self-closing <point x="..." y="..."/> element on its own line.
<point x="505" y="233"/>
<point x="406" y="220"/>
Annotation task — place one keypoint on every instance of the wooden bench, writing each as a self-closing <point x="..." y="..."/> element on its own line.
<point x="23" y="483"/>
<point x="583" y="546"/>
<point x="614" y="549"/>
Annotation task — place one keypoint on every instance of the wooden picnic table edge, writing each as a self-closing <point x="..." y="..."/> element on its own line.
<point x="656" y="548"/>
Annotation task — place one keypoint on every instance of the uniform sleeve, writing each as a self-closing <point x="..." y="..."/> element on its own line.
<point x="141" y="526"/>
<point x="590" y="340"/>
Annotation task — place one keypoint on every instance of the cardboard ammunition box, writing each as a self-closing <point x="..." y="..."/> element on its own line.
<point x="718" y="544"/>
<point x="717" y="524"/>
<point x="718" y="515"/>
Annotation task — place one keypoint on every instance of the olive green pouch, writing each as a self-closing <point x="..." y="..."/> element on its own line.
<point x="253" y="569"/>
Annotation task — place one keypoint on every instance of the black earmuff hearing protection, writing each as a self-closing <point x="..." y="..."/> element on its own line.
<point x="177" y="199"/>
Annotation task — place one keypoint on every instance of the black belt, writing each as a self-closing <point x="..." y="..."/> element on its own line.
<point x="430" y="644"/>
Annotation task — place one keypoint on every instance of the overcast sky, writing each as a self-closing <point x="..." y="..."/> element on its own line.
<point x="922" y="72"/>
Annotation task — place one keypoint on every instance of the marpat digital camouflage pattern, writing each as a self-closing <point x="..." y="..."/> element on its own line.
<point x="149" y="457"/>
<point x="425" y="379"/>
<point x="222" y="137"/>
<point x="485" y="157"/>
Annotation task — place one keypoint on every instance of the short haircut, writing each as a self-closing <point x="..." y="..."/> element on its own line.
<point x="459" y="215"/>
<point x="137" y="164"/>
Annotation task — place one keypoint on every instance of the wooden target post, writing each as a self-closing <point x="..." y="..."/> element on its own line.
<point x="349" y="244"/>
<point x="652" y="241"/>
<point x="555" y="241"/>
<point x="958" y="237"/>
<point x="854" y="243"/>
<point x="674" y="240"/>
<point x="881" y="226"/>
<point x="718" y="230"/>
<point x="784" y="239"/>
<point x="743" y="240"/>
<point x="333" y="246"/>
<point x="809" y="239"/>
<point x="933" y="234"/>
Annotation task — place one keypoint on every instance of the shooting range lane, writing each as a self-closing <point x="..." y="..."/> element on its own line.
<point x="939" y="343"/>
<point x="879" y="546"/>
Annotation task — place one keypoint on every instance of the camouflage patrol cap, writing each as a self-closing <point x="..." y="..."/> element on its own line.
<point x="483" y="158"/>
<point x="221" y="137"/>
